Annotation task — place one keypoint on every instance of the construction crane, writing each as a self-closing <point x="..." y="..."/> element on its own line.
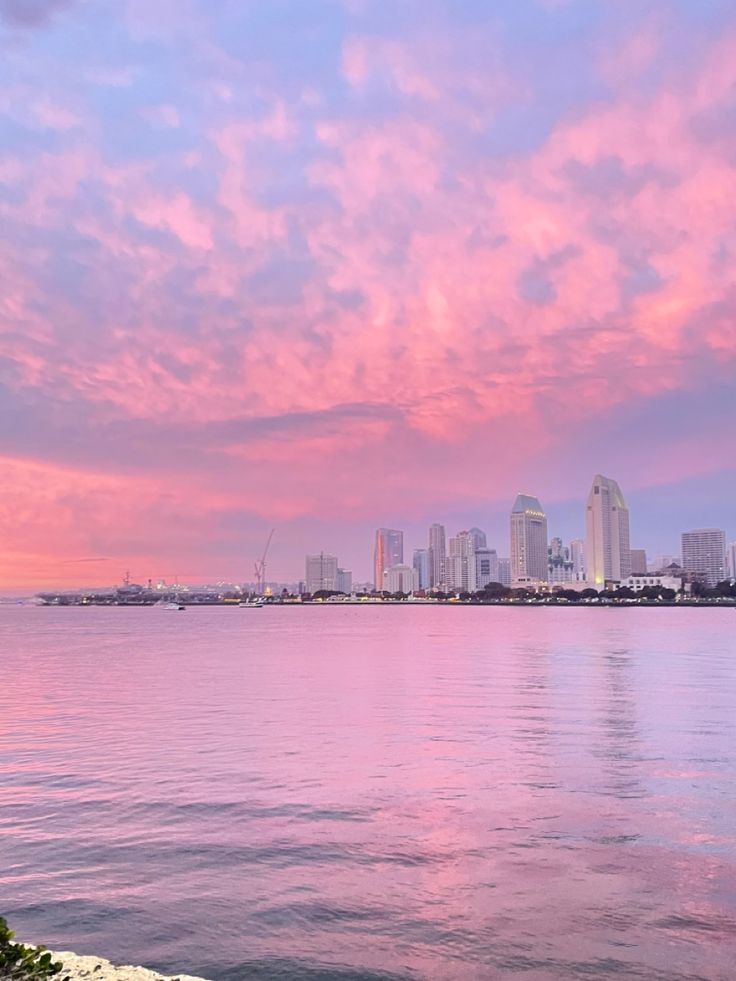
<point x="260" y="567"/>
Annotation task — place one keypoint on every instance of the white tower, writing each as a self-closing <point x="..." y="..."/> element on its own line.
<point x="607" y="544"/>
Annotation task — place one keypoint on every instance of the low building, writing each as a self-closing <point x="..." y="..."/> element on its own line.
<point x="658" y="580"/>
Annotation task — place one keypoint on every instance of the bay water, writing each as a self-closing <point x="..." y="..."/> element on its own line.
<point x="373" y="792"/>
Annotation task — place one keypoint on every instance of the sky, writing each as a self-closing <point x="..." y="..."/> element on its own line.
<point x="328" y="265"/>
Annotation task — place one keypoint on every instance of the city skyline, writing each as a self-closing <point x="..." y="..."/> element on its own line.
<point x="387" y="267"/>
<point x="466" y="562"/>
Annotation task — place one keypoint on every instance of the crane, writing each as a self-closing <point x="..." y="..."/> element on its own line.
<point x="260" y="566"/>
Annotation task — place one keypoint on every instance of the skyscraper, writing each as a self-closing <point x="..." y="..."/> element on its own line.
<point x="321" y="572"/>
<point x="421" y="566"/>
<point x="437" y="556"/>
<point x="504" y="571"/>
<point x="559" y="564"/>
<point x="479" y="538"/>
<point x="528" y="539"/>
<point x="607" y="546"/>
<point x="704" y="555"/>
<point x="731" y="561"/>
<point x="460" y="567"/>
<point x="344" y="581"/>
<point x="388" y="551"/>
<point x="577" y="557"/>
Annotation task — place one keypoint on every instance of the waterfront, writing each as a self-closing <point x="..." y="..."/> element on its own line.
<point x="360" y="793"/>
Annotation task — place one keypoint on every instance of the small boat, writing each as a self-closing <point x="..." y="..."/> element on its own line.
<point x="172" y="606"/>
<point x="254" y="605"/>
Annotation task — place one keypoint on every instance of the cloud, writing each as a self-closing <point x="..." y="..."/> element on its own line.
<point x="31" y="13"/>
<point x="399" y="262"/>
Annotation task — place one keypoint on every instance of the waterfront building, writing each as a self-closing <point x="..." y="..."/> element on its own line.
<point x="577" y="557"/>
<point x="559" y="565"/>
<point x="607" y="545"/>
<point x="504" y="571"/>
<point x="437" y="556"/>
<point x="460" y="568"/>
<point x="400" y="579"/>
<point x="388" y="551"/>
<point x="704" y="555"/>
<point x="638" y="562"/>
<point x="528" y="526"/>
<point x="321" y="572"/>
<point x="479" y="538"/>
<point x="344" y="581"/>
<point x="486" y="567"/>
<point x="731" y="561"/>
<point x="421" y="565"/>
<point x="637" y="581"/>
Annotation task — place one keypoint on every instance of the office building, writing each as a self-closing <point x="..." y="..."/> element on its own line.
<point x="504" y="571"/>
<point x="344" y="581"/>
<point x="421" y="566"/>
<point x="486" y="567"/>
<point x="638" y="562"/>
<point x="400" y="579"/>
<point x="460" y="567"/>
<point x="437" y="556"/>
<point x="577" y="557"/>
<point x="704" y="555"/>
<point x="528" y="526"/>
<point x="607" y="545"/>
<point x="321" y="572"/>
<point x="731" y="560"/>
<point x="388" y="551"/>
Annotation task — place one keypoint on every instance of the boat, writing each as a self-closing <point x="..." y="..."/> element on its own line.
<point x="250" y="605"/>
<point x="171" y="606"/>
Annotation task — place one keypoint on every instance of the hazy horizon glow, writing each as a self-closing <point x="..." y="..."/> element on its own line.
<point x="343" y="264"/>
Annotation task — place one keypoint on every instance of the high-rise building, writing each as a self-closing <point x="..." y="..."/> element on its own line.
<point x="731" y="560"/>
<point x="528" y="540"/>
<point x="704" y="555"/>
<point x="486" y="567"/>
<point x="607" y="545"/>
<point x="400" y="579"/>
<point x="479" y="538"/>
<point x="559" y="564"/>
<point x="661" y="562"/>
<point x="421" y="566"/>
<point x="460" y="567"/>
<point x="388" y="551"/>
<point x="638" y="562"/>
<point x="344" y="581"/>
<point x="577" y="557"/>
<point x="437" y="556"/>
<point x="504" y="571"/>
<point x="321" y="572"/>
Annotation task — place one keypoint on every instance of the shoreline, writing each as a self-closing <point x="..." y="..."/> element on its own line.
<point x="80" y="967"/>
<point x="595" y="604"/>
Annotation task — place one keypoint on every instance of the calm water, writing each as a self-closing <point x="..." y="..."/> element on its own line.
<point x="373" y="793"/>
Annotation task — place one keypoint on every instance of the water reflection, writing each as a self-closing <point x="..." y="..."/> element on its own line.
<point x="370" y="793"/>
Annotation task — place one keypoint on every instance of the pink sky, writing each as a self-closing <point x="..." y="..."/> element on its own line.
<point x="329" y="266"/>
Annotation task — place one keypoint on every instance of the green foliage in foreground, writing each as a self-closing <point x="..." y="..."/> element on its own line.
<point x="19" y="962"/>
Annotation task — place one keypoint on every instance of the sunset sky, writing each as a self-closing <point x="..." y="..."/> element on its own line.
<point x="324" y="265"/>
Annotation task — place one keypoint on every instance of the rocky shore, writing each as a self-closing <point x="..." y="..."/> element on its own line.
<point x="81" y="968"/>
